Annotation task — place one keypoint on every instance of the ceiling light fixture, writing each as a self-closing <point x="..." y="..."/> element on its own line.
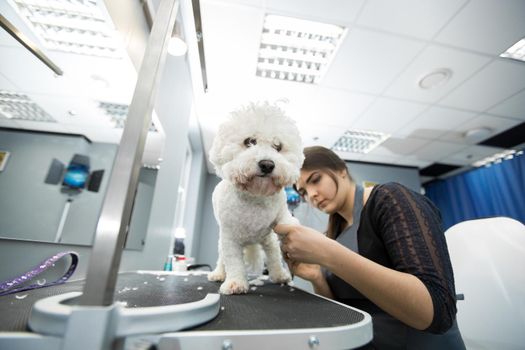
<point x="477" y="134"/>
<point x="19" y="106"/>
<point x="498" y="158"/>
<point x="71" y="26"/>
<point x="516" y="51"/>
<point x="295" y="49"/>
<point x="359" y="141"/>
<point x="177" y="46"/>
<point x="118" y="114"/>
<point x="435" y="78"/>
<point x="99" y="82"/>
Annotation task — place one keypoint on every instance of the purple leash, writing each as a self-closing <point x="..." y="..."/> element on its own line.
<point x="10" y="286"/>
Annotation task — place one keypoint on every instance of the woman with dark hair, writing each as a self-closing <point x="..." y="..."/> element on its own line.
<point x="384" y="252"/>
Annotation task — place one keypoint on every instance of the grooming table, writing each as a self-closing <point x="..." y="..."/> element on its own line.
<point x="269" y="316"/>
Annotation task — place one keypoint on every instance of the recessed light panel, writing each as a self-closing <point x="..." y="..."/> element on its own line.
<point x="295" y="49"/>
<point x="118" y="114"/>
<point x="19" y="106"/>
<point x="516" y="51"/>
<point x="359" y="141"/>
<point x="77" y="26"/>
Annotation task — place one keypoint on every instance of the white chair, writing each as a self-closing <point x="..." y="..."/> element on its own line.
<point x="488" y="258"/>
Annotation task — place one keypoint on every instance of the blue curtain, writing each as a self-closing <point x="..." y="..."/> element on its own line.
<point x="498" y="190"/>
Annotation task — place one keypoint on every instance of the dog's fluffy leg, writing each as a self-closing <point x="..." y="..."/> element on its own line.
<point x="287" y="218"/>
<point x="254" y="258"/>
<point x="276" y="270"/>
<point x="218" y="275"/>
<point x="232" y="256"/>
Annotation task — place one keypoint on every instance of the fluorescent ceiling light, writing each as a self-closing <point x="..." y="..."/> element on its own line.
<point x="498" y="158"/>
<point x="118" y="114"/>
<point x="71" y="26"/>
<point x="516" y="51"/>
<point x="359" y="141"/>
<point x="19" y="106"/>
<point x="295" y="49"/>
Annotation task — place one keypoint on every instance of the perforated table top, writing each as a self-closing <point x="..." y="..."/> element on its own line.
<point x="264" y="307"/>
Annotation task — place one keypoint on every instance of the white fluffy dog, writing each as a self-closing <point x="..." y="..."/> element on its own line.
<point x="256" y="152"/>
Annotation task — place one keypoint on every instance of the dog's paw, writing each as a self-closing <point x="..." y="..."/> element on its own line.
<point x="280" y="276"/>
<point x="292" y="220"/>
<point x="232" y="286"/>
<point x="216" y="276"/>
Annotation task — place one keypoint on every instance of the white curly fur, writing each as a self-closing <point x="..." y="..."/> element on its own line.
<point x="247" y="202"/>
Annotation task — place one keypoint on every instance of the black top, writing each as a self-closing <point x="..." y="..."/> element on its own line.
<point x="401" y="229"/>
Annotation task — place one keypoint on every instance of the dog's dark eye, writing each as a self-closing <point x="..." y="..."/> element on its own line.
<point x="277" y="146"/>
<point x="250" y="141"/>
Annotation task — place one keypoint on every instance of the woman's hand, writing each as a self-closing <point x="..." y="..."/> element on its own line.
<point x="305" y="250"/>
<point x="309" y="272"/>
<point x="303" y="244"/>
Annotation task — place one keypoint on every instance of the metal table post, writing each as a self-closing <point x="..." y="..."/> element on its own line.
<point x="113" y="223"/>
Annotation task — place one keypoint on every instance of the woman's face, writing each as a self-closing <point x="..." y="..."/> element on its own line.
<point x="320" y="190"/>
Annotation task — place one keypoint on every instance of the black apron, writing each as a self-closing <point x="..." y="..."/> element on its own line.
<point x="389" y="333"/>
<point x="348" y="238"/>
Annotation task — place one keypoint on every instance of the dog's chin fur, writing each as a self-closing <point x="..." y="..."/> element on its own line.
<point x="246" y="204"/>
<point x="261" y="186"/>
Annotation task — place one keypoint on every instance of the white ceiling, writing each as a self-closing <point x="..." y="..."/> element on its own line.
<point x="371" y="83"/>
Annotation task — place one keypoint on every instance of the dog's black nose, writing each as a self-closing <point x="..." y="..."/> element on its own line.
<point x="266" y="166"/>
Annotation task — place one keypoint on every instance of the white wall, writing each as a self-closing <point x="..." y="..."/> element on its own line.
<point x="128" y="17"/>
<point x="36" y="208"/>
<point x="31" y="209"/>
<point x="379" y="173"/>
<point x="173" y="107"/>
<point x="206" y="246"/>
<point x="196" y="191"/>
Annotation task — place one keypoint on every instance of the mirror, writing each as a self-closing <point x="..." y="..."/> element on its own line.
<point x="59" y="133"/>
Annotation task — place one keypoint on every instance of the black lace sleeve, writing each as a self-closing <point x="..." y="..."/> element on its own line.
<point x="411" y="229"/>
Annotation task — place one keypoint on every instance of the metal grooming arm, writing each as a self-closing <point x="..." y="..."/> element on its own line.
<point x="116" y="210"/>
<point x="28" y="44"/>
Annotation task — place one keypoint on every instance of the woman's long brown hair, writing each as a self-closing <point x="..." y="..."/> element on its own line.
<point x="324" y="159"/>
